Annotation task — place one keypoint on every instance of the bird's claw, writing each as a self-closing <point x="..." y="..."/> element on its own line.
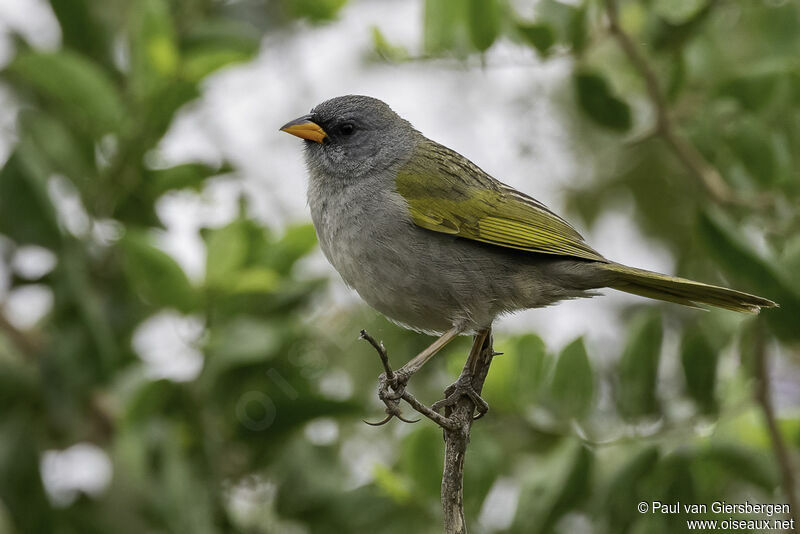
<point x="390" y="391"/>
<point x="389" y="417"/>
<point x="461" y="388"/>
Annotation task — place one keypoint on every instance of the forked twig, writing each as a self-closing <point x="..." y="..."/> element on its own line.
<point x="461" y="401"/>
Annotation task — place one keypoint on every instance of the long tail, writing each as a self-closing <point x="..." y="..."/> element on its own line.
<point x="682" y="291"/>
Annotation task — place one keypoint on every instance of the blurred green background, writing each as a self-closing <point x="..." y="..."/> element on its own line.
<point x="176" y="357"/>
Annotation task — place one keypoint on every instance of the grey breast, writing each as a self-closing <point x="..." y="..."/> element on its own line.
<point x="426" y="280"/>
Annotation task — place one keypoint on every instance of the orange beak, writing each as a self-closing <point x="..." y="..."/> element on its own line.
<point x="305" y="128"/>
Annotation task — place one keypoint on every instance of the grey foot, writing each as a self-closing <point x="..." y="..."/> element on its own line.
<point x="461" y="388"/>
<point x="390" y="391"/>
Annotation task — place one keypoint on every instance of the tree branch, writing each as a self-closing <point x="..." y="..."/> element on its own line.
<point x="764" y="398"/>
<point x="461" y="400"/>
<point x="475" y="369"/>
<point x="687" y="154"/>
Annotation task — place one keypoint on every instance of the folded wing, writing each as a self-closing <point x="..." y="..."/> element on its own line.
<point x="447" y="193"/>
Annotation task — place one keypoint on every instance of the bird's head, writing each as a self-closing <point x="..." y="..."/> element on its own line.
<point x="351" y="136"/>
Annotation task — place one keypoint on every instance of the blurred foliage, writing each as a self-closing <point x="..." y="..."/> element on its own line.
<point x="267" y="438"/>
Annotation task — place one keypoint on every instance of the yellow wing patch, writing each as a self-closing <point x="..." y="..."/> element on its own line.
<point x="524" y="236"/>
<point x="448" y="194"/>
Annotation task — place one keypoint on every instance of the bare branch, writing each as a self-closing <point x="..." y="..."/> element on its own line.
<point x="687" y="154"/>
<point x="381" y="352"/>
<point x="461" y="400"/>
<point x="764" y="398"/>
<point x="456" y="440"/>
<point x="436" y="417"/>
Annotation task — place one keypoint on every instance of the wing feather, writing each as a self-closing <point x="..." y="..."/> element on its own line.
<point x="448" y="193"/>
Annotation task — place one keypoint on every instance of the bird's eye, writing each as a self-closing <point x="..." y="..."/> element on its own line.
<point x="347" y="128"/>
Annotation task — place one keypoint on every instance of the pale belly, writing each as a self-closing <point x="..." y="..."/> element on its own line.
<point x="428" y="281"/>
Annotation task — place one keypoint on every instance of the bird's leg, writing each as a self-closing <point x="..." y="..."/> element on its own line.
<point x="403" y="374"/>
<point x="391" y="387"/>
<point x="463" y="386"/>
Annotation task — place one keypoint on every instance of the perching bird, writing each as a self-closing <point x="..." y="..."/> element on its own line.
<point x="437" y="245"/>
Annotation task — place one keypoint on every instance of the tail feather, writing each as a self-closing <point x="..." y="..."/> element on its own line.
<point x="682" y="291"/>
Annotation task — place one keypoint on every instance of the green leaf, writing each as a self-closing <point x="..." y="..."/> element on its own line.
<point x="790" y="258"/>
<point x="21" y="489"/>
<point x="421" y="459"/>
<point x="222" y="34"/>
<point x="751" y="345"/>
<point x="675" y="478"/>
<point x="625" y="486"/>
<point x="793" y="79"/>
<point x="242" y="341"/>
<point x="59" y="149"/>
<point x="577" y="32"/>
<point x="200" y="63"/>
<point x="154" y="398"/>
<point x="753" y="91"/>
<point x="215" y="46"/>
<point x="753" y="146"/>
<point x="226" y="251"/>
<point x="26" y="214"/>
<point x="638" y="368"/>
<point x="80" y="30"/>
<point x="600" y="105"/>
<point x="735" y="254"/>
<point x="748" y="268"/>
<point x="397" y="487"/>
<point x="518" y="374"/>
<point x="283" y="254"/>
<point x="154" y="50"/>
<point x="568" y="22"/>
<point x="500" y="385"/>
<point x="678" y="11"/>
<point x="184" y="492"/>
<point x="489" y="459"/>
<point x="677" y="76"/>
<point x="672" y="31"/>
<point x="184" y="176"/>
<point x="751" y="465"/>
<point x="444" y="25"/>
<point x="157" y="278"/>
<point x="699" y="360"/>
<point x="79" y="88"/>
<point x="315" y="10"/>
<point x="553" y="487"/>
<point x="165" y="102"/>
<point x="576" y="485"/>
<point x="534" y="362"/>
<point x="255" y="280"/>
<point x="386" y="50"/>
<point x="540" y="36"/>
<point x="484" y="23"/>
<point x="20" y="385"/>
<point x="572" y="387"/>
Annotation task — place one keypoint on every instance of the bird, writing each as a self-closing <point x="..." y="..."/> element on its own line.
<point x="437" y="245"/>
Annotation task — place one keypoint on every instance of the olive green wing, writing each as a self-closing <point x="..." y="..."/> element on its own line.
<point x="447" y="193"/>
